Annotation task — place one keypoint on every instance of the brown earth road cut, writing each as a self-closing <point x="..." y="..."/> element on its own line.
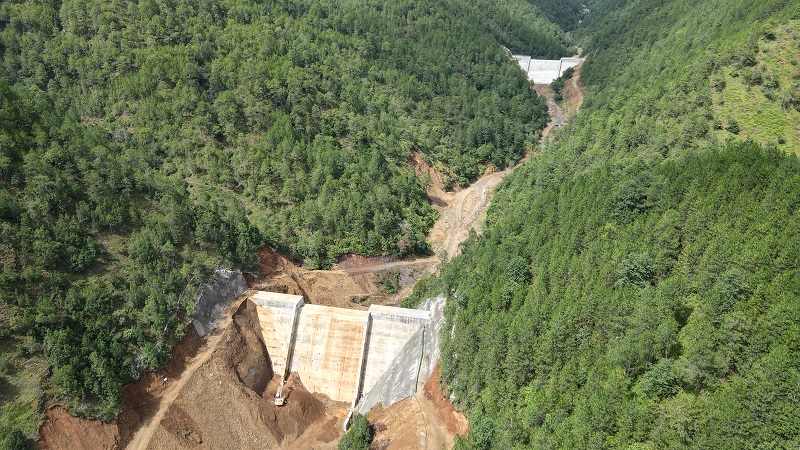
<point x="142" y="437"/>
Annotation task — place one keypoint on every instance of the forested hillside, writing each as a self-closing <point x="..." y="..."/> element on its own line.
<point x="143" y="143"/>
<point x="637" y="284"/>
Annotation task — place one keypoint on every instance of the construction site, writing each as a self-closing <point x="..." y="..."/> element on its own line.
<point x="284" y="357"/>
<point x="264" y="369"/>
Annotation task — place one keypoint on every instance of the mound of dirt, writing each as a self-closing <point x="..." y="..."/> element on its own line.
<point x="453" y="421"/>
<point x="400" y="426"/>
<point x="426" y="421"/>
<point x="228" y="402"/>
<point x="354" y="282"/>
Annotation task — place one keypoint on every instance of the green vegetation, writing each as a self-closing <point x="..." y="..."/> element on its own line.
<point x="668" y="321"/>
<point x="565" y="13"/>
<point x="636" y="285"/>
<point x="768" y="82"/>
<point x="559" y="83"/>
<point x="359" y="436"/>
<point x="144" y="143"/>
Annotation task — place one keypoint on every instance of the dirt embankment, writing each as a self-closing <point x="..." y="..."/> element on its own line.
<point x="426" y="421"/>
<point x="354" y="282"/>
<point x="433" y="181"/>
<point x="228" y="401"/>
<point x="573" y="93"/>
<point x="61" y="430"/>
<point x="218" y="395"/>
<point x="560" y="113"/>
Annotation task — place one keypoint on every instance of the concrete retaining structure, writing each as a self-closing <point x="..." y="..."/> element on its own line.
<point x="413" y="363"/>
<point x="329" y="345"/>
<point x="545" y="71"/>
<point x="392" y="328"/>
<point x="344" y="353"/>
<point x="215" y="297"/>
<point x="277" y="314"/>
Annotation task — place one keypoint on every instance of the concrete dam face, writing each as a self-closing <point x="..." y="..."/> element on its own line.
<point x="545" y="71"/>
<point x="348" y="355"/>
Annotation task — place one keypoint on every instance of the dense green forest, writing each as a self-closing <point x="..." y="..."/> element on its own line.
<point x="143" y="143"/>
<point x="565" y="13"/>
<point x="637" y="285"/>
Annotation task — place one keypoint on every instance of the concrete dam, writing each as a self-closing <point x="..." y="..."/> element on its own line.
<point x="361" y="357"/>
<point x="545" y="71"/>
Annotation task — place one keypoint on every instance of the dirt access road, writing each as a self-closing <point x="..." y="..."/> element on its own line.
<point x="463" y="211"/>
<point x="141" y="438"/>
<point x="460" y="210"/>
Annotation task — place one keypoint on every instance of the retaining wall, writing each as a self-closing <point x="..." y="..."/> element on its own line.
<point x="214" y="297"/>
<point x="345" y="353"/>
<point x="545" y="71"/>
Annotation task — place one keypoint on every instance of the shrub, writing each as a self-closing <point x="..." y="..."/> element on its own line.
<point x="733" y="126"/>
<point x="637" y="270"/>
<point x="359" y="436"/>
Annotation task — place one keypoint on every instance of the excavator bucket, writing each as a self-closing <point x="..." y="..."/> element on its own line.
<point x="279" y="398"/>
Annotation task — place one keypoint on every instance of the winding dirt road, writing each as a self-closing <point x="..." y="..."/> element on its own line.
<point x="465" y="209"/>
<point x="463" y="214"/>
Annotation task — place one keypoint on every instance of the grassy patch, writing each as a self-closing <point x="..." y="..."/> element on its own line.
<point x="765" y="99"/>
<point x="21" y="376"/>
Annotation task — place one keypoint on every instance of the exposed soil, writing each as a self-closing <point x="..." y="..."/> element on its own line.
<point x="354" y="282"/>
<point x="435" y="188"/>
<point x="434" y="400"/>
<point x="573" y="93"/>
<point x="228" y="403"/>
<point x="560" y="113"/>
<point x="425" y="421"/>
<point x="462" y="214"/>
<point x="62" y="430"/>
<point x="400" y="426"/>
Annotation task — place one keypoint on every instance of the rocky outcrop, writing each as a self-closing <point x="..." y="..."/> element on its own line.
<point x="214" y="297"/>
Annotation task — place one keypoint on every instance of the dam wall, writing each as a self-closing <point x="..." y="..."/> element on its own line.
<point x="545" y="71"/>
<point x="328" y="348"/>
<point x="392" y="329"/>
<point x="342" y="353"/>
<point x="413" y="363"/>
<point x="276" y="314"/>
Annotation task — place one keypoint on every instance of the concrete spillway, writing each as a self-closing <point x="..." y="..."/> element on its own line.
<point x="545" y="71"/>
<point x="341" y="353"/>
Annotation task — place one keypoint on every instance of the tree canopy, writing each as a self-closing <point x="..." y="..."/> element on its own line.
<point x="143" y="143"/>
<point x="661" y="244"/>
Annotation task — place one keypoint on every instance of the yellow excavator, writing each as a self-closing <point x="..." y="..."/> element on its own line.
<point x="279" y="398"/>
